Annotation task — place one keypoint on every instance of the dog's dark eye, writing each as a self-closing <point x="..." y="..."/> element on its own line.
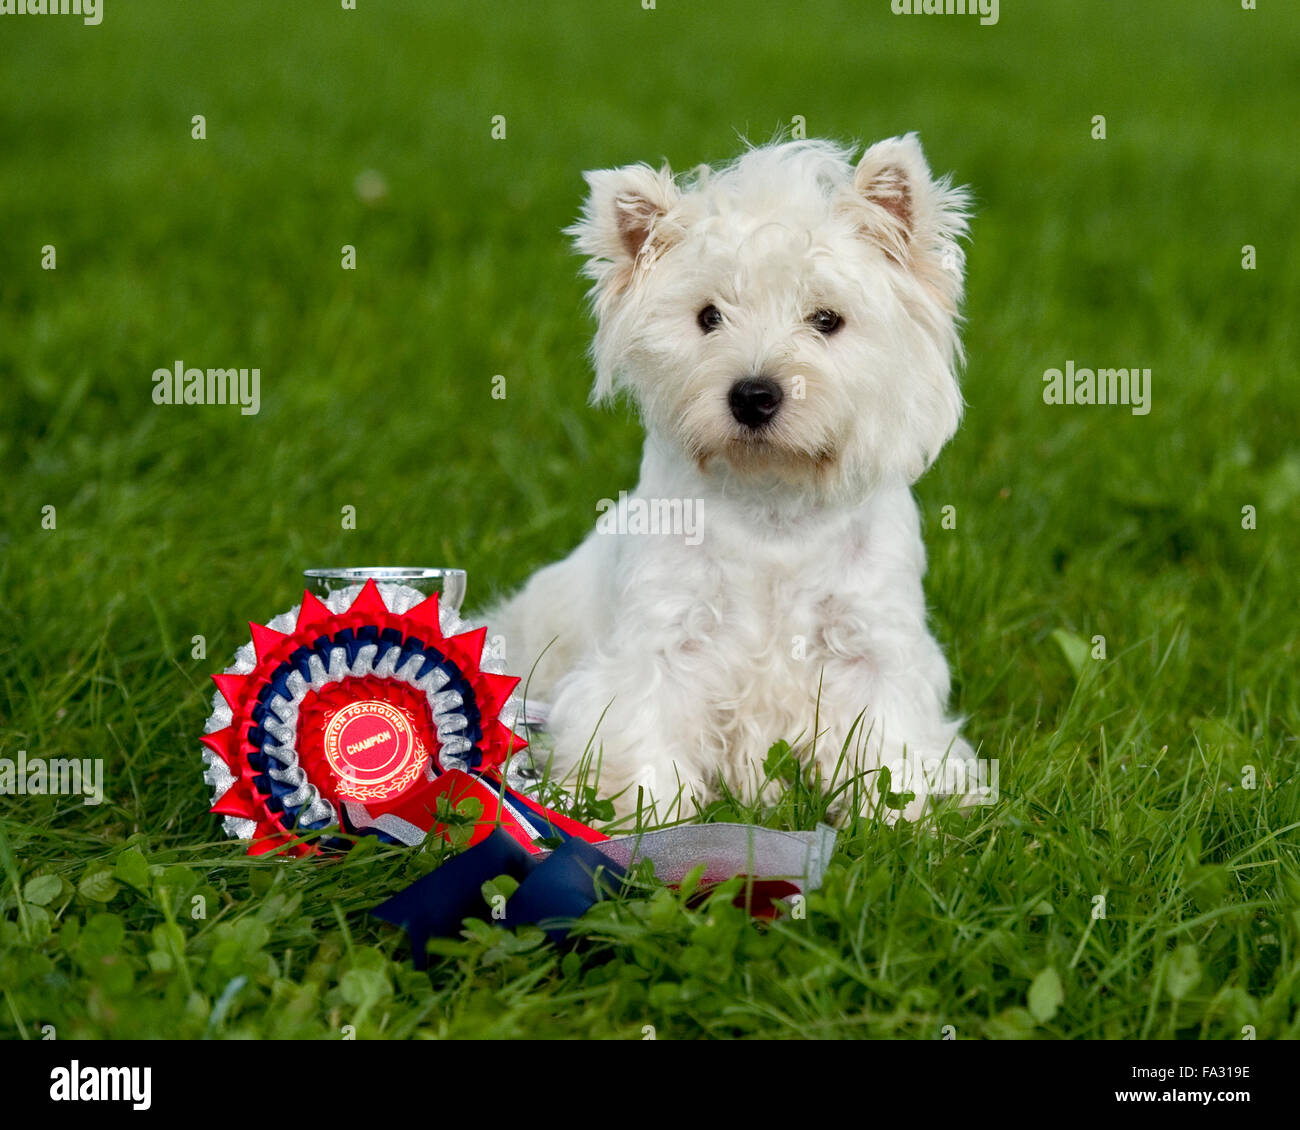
<point x="709" y="319"/>
<point x="827" y="321"/>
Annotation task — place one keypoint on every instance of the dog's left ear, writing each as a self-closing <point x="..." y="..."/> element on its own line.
<point x="914" y="218"/>
<point x="621" y="222"/>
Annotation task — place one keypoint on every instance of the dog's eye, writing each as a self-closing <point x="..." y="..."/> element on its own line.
<point x="826" y="321"/>
<point x="709" y="319"/>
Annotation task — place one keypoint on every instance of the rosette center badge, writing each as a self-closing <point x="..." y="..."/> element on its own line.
<point x="373" y="749"/>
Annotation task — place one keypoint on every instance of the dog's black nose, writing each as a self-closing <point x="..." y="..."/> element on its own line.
<point x="754" y="400"/>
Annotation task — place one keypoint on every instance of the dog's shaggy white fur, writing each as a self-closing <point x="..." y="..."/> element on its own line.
<point x="788" y="327"/>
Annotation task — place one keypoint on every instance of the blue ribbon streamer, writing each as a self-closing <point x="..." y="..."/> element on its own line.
<point x="553" y="890"/>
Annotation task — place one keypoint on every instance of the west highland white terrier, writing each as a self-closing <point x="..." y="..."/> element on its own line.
<point x="787" y="326"/>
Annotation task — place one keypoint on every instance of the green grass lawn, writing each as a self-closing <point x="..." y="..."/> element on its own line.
<point x="1160" y="779"/>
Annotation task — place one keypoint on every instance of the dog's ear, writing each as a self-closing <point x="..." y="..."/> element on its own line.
<point x="621" y="222"/>
<point x="914" y="218"/>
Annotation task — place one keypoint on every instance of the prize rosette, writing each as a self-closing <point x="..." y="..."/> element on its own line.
<point x="373" y="710"/>
<point x="359" y="712"/>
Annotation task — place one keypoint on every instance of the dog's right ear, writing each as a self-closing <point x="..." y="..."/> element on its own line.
<point x="622" y="223"/>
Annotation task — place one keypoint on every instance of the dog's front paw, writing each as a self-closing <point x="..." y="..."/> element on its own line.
<point x="631" y="745"/>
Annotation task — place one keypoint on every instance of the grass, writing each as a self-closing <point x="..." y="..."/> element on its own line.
<point x="1123" y="779"/>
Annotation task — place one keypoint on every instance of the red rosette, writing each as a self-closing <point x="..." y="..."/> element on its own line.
<point x="361" y="738"/>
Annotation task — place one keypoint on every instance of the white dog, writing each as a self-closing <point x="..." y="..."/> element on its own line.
<point x="788" y="327"/>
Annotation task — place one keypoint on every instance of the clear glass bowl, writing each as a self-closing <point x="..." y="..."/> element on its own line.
<point x="449" y="584"/>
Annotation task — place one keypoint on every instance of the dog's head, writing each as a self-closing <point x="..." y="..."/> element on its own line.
<point x="790" y="317"/>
